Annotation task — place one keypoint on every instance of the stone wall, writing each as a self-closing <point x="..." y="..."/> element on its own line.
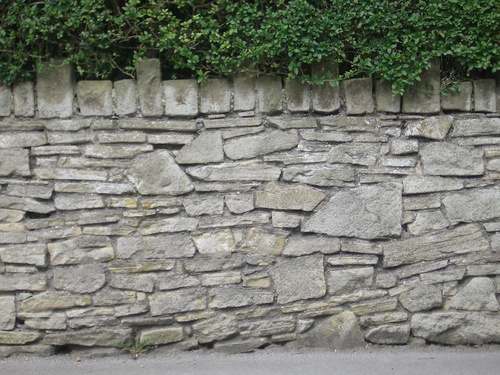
<point x="238" y="214"/>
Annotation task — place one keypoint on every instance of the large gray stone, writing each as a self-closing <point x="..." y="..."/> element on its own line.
<point x="5" y="100"/>
<point x="296" y="197"/>
<point x="155" y="247"/>
<point x="389" y="334"/>
<point x="148" y="87"/>
<point x="297" y="94"/>
<point x="485" y="126"/>
<point x="386" y="101"/>
<point x="19" y="337"/>
<point x="204" y="149"/>
<point x="424" y="96"/>
<point x="181" y="97"/>
<point x="427" y="222"/>
<point x="81" y="250"/>
<point x="320" y="176"/>
<point x="269" y="94"/>
<point x="299" y="278"/>
<point x="460" y="100"/>
<point x="224" y="297"/>
<point x="82" y="279"/>
<point x="423" y="297"/>
<point x="325" y="97"/>
<point x="240" y="171"/>
<point x="7" y="313"/>
<point x="91" y="337"/>
<point x="457" y="328"/>
<point x="244" y="93"/>
<point x="446" y="159"/>
<point x="217" y="328"/>
<point x="169" y="225"/>
<point x="161" y="336"/>
<point x="24" y="99"/>
<point x="360" y="154"/>
<point x="54" y="89"/>
<point x="126" y="97"/>
<point x="473" y="205"/>
<point x="215" y="242"/>
<point x="215" y="96"/>
<point x="190" y="299"/>
<point x="210" y="205"/>
<point x="359" y="96"/>
<point x="94" y="98"/>
<point x="442" y="245"/>
<point x="67" y="202"/>
<point x="262" y="144"/>
<point x="338" y="332"/>
<point x="305" y="245"/>
<point x="415" y="184"/>
<point x="141" y="282"/>
<point x="262" y="241"/>
<point x="157" y="173"/>
<point x="431" y="127"/>
<point x="267" y="327"/>
<point x="484" y="95"/>
<point x="31" y="282"/>
<point x="22" y="139"/>
<point x="478" y="294"/>
<point x="367" y="212"/>
<point x="32" y="254"/>
<point x="343" y="281"/>
<point x="54" y="301"/>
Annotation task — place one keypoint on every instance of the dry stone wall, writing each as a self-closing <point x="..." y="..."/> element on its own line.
<point x="239" y="214"/>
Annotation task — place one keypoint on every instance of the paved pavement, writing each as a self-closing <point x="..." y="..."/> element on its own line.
<point x="373" y="361"/>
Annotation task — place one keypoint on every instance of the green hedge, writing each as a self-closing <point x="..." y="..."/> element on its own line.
<point x="392" y="40"/>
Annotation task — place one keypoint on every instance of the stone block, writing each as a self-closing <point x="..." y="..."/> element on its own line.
<point x="244" y="93"/>
<point x="320" y="176"/>
<point x="473" y="205"/>
<point x="415" y="184"/>
<point x="181" y="98"/>
<point x="19" y="337"/>
<point x="297" y="197"/>
<point x="54" y="88"/>
<point x="94" y="98"/>
<point x="215" y="243"/>
<point x="288" y="122"/>
<point x="183" y="300"/>
<point x="422" y="297"/>
<point x="298" y="95"/>
<point x="427" y="222"/>
<point x="477" y="295"/>
<point x="14" y="162"/>
<point x="7" y="313"/>
<point x="299" y="278"/>
<point x="267" y="327"/>
<point x="26" y="204"/>
<point x="385" y="99"/>
<point x="484" y="95"/>
<point x="161" y="336"/>
<point x="262" y="241"/>
<point x="447" y="159"/>
<point x="196" y="206"/>
<point x="424" y="95"/>
<point x="23" y="139"/>
<point x="169" y="225"/>
<point x="209" y="263"/>
<point x="367" y="212"/>
<point x="74" y="138"/>
<point x="325" y="97"/>
<point x="126" y="97"/>
<point x="5" y="100"/>
<point x="81" y="250"/>
<point x="343" y="281"/>
<point x="269" y="95"/>
<point x="486" y="126"/>
<point x="155" y="247"/>
<point x="389" y="334"/>
<point x="238" y="203"/>
<point x="261" y="144"/>
<point x="82" y="279"/>
<point x="238" y="171"/>
<point x="215" y="96"/>
<point x="77" y="202"/>
<point x="32" y="254"/>
<point x="460" y="100"/>
<point x="24" y="99"/>
<point x="286" y="220"/>
<point x="141" y="282"/>
<point x="435" y="246"/>
<point x="116" y="151"/>
<point x="360" y="154"/>
<point x="404" y="146"/>
<point x="358" y="96"/>
<point x="91" y="337"/>
<point x="236" y="296"/>
<point x="149" y="87"/>
<point x="157" y="173"/>
<point x="217" y="328"/>
<point x="204" y="149"/>
<point x="432" y="127"/>
<point x="160" y="125"/>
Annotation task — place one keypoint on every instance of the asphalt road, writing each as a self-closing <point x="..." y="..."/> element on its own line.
<point x="372" y="361"/>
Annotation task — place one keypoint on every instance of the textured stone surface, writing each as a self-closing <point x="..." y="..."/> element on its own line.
<point x="215" y="96"/>
<point x="305" y="245"/>
<point x="157" y="173"/>
<point x="204" y="206"/>
<point x="262" y="144"/>
<point x="126" y="97"/>
<point x="298" y="95"/>
<point x="215" y="329"/>
<point x="22" y="139"/>
<point x="54" y="89"/>
<point x="430" y="184"/>
<point x="204" y="149"/>
<point x="244" y="93"/>
<point x="98" y="337"/>
<point x="343" y="281"/>
<point x="354" y="154"/>
<point x="446" y="159"/>
<point x="473" y="205"/>
<point x="320" y="176"/>
<point x="241" y="171"/>
<point x="159" y="336"/>
<point x="7" y="313"/>
<point x="54" y="301"/>
<point x="336" y="333"/>
<point x="181" y="97"/>
<point x="325" y="98"/>
<point x="476" y="127"/>
<point x="431" y="127"/>
<point x="155" y="247"/>
<point x="19" y="338"/>
<point x="297" y="197"/>
<point x="190" y="299"/>
<point x="478" y="294"/>
<point x="389" y="334"/>
<point x="83" y="279"/>
<point x="262" y="241"/>
<point x="148" y="87"/>
<point x="484" y="95"/>
<point x="224" y="297"/>
<point x="359" y="96"/>
<point x="458" y="101"/>
<point x="5" y="100"/>
<point x="441" y="245"/>
<point x="269" y="95"/>
<point x="213" y="243"/>
<point x="94" y="98"/>
<point x="424" y="95"/>
<point x="386" y="101"/>
<point x="423" y="297"/>
<point x="81" y="250"/>
<point x="457" y="328"/>
<point x="356" y="213"/>
<point x="24" y="99"/>
<point x="427" y="222"/>
<point x="299" y="278"/>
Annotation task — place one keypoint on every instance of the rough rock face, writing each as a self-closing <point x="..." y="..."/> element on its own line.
<point x="236" y="214"/>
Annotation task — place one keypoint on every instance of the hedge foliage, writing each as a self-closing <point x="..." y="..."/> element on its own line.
<point x="392" y="40"/>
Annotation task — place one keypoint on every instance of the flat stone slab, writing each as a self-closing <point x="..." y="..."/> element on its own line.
<point x="204" y="149"/>
<point x="442" y="245"/>
<point x="368" y="212"/>
<point x="262" y="144"/>
<point x="473" y="205"/>
<point x="296" y="197"/>
<point x="447" y="159"/>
